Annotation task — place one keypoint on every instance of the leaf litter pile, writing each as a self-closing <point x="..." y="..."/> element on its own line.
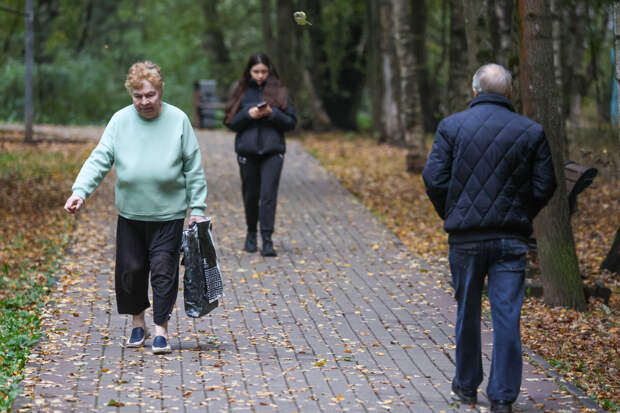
<point x="583" y="347"/>
<point x="35" y="180"/>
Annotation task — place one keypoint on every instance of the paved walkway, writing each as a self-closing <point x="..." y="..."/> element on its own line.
<point x="344" y="319"/>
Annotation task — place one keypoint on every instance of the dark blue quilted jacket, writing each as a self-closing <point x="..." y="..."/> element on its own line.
<point x="489" y="172"/>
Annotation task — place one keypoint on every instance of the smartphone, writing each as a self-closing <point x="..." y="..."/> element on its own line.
<point x="261" y="105"/>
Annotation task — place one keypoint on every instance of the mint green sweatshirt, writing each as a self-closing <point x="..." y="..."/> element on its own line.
<point x="158" y="166"/>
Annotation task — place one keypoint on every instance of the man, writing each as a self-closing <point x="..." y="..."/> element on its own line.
<point x="488" y="175"/>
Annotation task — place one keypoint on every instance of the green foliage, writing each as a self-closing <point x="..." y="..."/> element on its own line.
<point x="19" y="324"/>
<point x="31" y="247"/>
<point x="81" y="69"/>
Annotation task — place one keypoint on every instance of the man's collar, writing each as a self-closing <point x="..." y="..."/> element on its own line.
<point x="492" y="98"/>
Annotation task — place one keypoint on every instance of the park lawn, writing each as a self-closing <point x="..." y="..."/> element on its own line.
<point x="35" y="181"/>
<point x="583" y="347"/>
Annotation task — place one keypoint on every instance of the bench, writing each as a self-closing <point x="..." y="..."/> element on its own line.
<point x="576" y="178"/>
<point x="206" y="104"/>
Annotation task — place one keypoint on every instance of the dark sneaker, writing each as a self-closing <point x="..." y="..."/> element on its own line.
<point x="160" y="345"/>
<point x="501" y="406"/>
<point x="138" y="335"/>
<point x="250" y="242"/>
<point x="469" y="397"/>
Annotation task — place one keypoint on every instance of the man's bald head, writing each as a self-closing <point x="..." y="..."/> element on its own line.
<point x="492" y="78"/>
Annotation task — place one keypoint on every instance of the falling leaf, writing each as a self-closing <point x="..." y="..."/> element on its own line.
<point x="300" y="18"/>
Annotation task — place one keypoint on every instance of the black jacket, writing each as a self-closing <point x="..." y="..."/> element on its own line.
<point x="261" y="136"/>
<point x="489" y="172"/>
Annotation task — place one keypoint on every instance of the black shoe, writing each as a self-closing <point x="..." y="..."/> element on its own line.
<point x="268" y="250"/>
<point x="468" y="397"/>
<point x="501" y="406"/>
<point x="250" y="242"/>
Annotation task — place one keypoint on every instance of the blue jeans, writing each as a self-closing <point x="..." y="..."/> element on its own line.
<point x="504" y="261"/>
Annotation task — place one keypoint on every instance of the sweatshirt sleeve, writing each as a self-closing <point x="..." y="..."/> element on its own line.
<point x="98" y="163"/>
<point x="195" y="182"/>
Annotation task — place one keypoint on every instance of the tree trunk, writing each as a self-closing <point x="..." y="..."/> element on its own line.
<point x="503" y="41"/>
<point x="617" y="46"/>
<point x="558" y="51"/>
<point x="216" y="48"/>
<point x="390" y="75"/>
<point x="479" y="15"/>
<point x="427" y="86"/>
<point x="85" y="30"/>
<point x="339" y="86"/>
<point x="374" y="79"/>
<point x="29" y="51"/>
<point x="214" y="37"/>
<point x="556" y="247"/>
<point x="612" y="261"/>
<point x="45" y="13"/>
<point x="318" y="119"/>
<point x="289" y="58"/>
<point x="409" y="105"/>
<point x="267" y="24"/>
<point x="573" y="21"/>
<point x="459" y="76"/>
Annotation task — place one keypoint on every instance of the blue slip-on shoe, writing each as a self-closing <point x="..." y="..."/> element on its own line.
<point x="138" y="335"/>
<point x="160" y="345"/>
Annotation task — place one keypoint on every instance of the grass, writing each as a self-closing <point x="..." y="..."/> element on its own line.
<point x="35" y="231"/>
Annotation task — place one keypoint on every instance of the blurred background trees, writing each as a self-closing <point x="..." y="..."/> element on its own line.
<point x="389" y="68"/>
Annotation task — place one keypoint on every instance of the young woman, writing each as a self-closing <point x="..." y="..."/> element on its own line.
<point x="152" y="198"/>
<point x="260" y="111"/>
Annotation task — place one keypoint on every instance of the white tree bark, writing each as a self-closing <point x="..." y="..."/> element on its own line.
<point x="390" y="75"/>
<point x="410" y="108"/>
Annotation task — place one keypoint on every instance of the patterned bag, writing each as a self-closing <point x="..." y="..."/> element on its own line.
<point x="202" y="282"/>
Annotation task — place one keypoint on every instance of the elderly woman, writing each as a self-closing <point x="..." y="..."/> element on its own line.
<point x="159" y="176"/>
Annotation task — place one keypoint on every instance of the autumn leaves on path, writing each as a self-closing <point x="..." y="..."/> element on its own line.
<point x="344" y="319"/>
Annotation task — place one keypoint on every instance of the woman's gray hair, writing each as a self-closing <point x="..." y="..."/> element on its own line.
<point x="492" y="78"/>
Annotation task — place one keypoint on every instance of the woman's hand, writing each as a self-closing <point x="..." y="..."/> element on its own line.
<point x="256" y="113"/>
<point x="73" y="204"/>
<point x="195" y="219"/>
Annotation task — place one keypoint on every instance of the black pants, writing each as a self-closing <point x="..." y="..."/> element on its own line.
<point x="260" y="178"/>
<point x="144" y="247"/>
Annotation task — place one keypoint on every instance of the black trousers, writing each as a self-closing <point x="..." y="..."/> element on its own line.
<point x="144" y="247"/>
<point x="260" y="178"/>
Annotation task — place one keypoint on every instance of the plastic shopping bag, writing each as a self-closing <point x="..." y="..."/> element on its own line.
<point x="202" y="282"/>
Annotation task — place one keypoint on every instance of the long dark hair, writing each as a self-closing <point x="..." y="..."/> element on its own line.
<point x="274" y="91"/>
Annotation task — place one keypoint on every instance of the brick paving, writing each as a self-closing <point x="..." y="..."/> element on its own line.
<point x="344" y="319"/>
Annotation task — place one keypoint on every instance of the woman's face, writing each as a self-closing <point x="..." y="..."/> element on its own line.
<point x="147" y="100"/>
<point x="259" y="73"/>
